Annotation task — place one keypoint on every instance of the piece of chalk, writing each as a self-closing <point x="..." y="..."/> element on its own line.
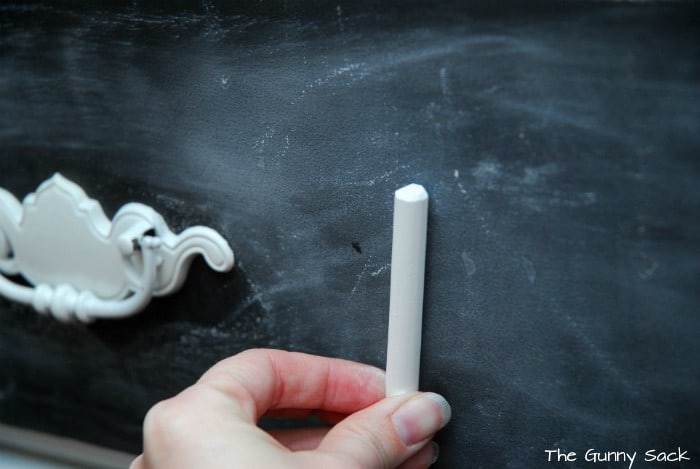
<point x="406" y="293"/>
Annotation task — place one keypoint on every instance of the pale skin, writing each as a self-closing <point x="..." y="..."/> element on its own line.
<point x="212" y="424"/>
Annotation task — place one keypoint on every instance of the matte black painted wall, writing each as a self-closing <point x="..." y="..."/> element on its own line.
<point x="559" y="143"/>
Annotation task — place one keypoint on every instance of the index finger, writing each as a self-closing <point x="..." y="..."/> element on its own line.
<point x="259" y="380"/>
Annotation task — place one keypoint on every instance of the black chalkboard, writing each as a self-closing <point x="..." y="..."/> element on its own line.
<point x="559" y="143"/>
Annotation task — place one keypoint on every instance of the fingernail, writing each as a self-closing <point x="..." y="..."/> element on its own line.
<point x="421" y="417"/>
<point x="436" y="452"/>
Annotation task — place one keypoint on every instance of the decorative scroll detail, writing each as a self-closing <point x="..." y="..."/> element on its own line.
<point x="84" y="266"/>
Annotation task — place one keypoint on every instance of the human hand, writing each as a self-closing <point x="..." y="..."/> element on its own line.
<point x="212" y="424"/>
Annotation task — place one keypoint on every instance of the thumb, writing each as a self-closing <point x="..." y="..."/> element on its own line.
<point x="388" y="432"/>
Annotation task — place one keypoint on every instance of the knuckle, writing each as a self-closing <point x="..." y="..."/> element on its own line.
<point x="163" y="424"/>
<point x="373" y="445"/>
<point x="158" y="415"/>
<point x="376" y="443"/>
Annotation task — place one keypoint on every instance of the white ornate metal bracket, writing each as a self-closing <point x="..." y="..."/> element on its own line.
<point x="79" y="264"/>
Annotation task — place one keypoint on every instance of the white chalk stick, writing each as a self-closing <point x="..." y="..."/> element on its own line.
<point x="406" y="293"/>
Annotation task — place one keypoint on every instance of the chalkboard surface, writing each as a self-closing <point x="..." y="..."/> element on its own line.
<point x="560" y="145"/>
